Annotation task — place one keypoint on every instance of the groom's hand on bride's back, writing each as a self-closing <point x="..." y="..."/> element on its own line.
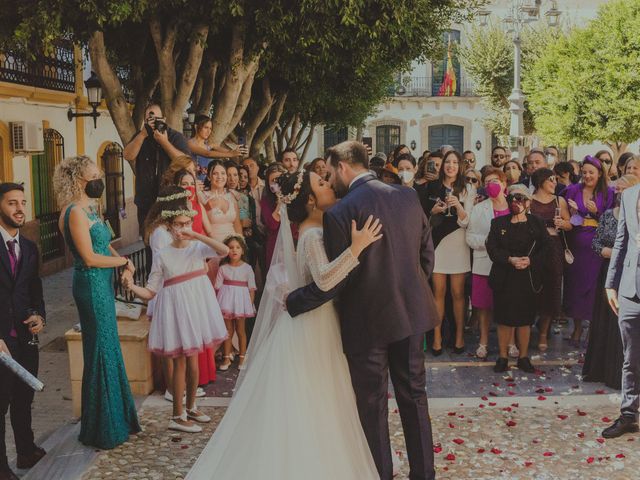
<point x="361" y="239"/>
<point x="281" y="294"/>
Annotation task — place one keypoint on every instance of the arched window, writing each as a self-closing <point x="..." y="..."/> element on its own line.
<point x="46" y="209"/>
<point x="387" y="138"/>
<point x="113" y="165"/>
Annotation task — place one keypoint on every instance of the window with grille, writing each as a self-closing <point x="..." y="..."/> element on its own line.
<point x="114" y="202"/>
<point x="387" y="138"/>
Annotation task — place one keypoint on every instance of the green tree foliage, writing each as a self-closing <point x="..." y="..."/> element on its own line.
<point x="487" y="57"/>
<point x="252" y="64"/>
<point x="586" y="87"/>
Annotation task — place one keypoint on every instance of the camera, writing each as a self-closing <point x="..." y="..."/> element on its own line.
<point x="155" y="123"/>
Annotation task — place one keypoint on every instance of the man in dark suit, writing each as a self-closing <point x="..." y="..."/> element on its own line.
<point x="623" y="292"/>
<point x="23" y="314"/>
<point x="385" y="305"/>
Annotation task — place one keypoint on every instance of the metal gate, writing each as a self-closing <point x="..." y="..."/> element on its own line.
<point x="45" y="206"/>
<point x="113" y="164"/>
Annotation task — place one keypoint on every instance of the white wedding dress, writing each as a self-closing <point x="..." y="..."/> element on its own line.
<point x="293" y="415"/>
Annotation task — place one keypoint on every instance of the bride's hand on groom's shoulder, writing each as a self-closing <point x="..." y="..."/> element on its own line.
<point x="370" y="233"/>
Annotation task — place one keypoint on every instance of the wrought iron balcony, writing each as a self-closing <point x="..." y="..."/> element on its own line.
<point x="430" y="87"/>
<point x="53" y="71"/>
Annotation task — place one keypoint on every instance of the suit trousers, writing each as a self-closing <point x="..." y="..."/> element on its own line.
<point x="370" y="370"/>
<point x="16" y="397"/>
<point x="629" y="323"/>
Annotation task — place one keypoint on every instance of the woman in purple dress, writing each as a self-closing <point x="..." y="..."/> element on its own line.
<point x="587" y="201"/>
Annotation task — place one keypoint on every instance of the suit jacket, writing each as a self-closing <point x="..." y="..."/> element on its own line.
<point x="623" y="274"/>
<point x="19" y="294"/>
<point x="387" y="297"/>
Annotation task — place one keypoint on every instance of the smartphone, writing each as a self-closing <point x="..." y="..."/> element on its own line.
<point x="431" y="166"/>
<point x="368" y="141"/>
<point x="242" y="140"/>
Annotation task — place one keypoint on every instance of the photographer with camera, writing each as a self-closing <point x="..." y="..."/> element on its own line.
<point x="152" y="150"/>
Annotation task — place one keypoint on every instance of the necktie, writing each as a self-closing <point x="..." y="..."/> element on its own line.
<point x="13" y="259"/>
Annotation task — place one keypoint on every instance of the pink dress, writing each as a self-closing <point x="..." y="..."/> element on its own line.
<point x="222" y="222"/>
<point x="234" y="286"/>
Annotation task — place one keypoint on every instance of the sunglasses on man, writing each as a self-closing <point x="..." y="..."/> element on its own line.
<point x="499" y="156"/>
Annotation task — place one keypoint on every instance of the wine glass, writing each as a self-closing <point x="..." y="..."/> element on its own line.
<point x="558" y="214"/>
<point x="35" y="341"/>
<point x="448" y="193"/>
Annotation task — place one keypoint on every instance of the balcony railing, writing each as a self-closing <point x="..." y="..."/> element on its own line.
<point x="430" y="87"/>
<point x="53" y="71"/>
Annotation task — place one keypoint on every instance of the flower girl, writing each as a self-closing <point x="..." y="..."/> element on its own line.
<point x="236" y="287"/>
<point x="186" y="315"/>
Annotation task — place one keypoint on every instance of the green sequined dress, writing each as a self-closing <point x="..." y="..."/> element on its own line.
<point x="108" y="410"/>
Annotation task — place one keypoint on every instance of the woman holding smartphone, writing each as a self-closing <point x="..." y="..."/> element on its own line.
<point x="449" y="203"/>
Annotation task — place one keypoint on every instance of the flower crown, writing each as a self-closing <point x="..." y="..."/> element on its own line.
<point x="176" y="213"/>
<point x="175" y="196"/>
<point x="287" y="199"/>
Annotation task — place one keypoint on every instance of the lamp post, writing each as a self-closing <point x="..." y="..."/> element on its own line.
<point x="522" y="13"/>
<point x="94" y="97"/>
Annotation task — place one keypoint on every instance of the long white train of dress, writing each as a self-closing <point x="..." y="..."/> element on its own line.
<point x="294" y="415"/>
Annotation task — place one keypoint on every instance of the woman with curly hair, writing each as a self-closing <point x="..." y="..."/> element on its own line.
<point x="108" y="411"/>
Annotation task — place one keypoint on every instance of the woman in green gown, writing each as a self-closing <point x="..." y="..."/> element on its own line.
<point x="108" y="411"/>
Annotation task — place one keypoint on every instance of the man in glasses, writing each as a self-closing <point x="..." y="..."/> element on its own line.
<point x="499" y="156"/>
<point x="469" y="159"/>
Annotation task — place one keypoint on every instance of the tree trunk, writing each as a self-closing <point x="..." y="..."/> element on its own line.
<point x="269" y="150"/>
<point x="266" y="102"/>
<point x="237" y="71"/>
<point x="112" y="88"/>
<point x="617" y="148"/>
<point x="243" y="98"/>
<point x="267" y="129"/>
<point x="203" y="107"/>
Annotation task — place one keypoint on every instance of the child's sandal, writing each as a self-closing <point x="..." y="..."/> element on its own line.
<point x="226" y="364"/>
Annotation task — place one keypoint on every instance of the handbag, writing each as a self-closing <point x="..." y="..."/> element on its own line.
<point x="568" y="255"/>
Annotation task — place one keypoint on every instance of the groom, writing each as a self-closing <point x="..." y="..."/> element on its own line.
<point x="385" y="305"/>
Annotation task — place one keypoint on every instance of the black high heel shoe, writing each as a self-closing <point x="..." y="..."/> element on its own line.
<point x="458" y="350"/>
<point x="436" y="353"/>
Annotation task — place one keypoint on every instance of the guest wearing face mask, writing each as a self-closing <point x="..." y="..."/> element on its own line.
<point x="554" y="211"/>
<point x="513" y="170"/>
<point x="406" y="165"/>
<point x="604" y="356"/>
<point x="107" y="420"/>
<point x="517" y="244"/>
<point x="495" y="182"/>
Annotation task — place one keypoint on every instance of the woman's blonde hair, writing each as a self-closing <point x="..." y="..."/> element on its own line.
<point x="629" y="179"/>
<point x="65" y="178"/>
<point x="183" y="162"/>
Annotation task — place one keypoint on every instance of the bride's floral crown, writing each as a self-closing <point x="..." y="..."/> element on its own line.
<point x="177" y="213"/>
<point x="174" y="196"/>
<point x="287" y="199"/>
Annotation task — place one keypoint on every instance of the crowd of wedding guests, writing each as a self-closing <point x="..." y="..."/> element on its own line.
<point x="520" y="243"/>
<point x="523" y="242"/>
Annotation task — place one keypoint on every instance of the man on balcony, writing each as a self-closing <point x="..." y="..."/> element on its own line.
<point x="152" y="150"/>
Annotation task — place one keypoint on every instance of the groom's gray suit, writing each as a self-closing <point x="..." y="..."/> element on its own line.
<point x="624" y="276"/>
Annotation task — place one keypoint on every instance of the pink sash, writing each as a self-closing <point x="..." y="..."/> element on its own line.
<point x="184" y="277"/>
<point x="235" y="283"/>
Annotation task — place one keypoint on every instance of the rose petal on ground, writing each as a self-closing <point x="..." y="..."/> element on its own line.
<point x="515" y="405"/>
<point x="496" y="451"/>
<point x="492" y="404"/>
<point x="452" y="414"/>
<point x="481" y="450"/>
<point x="548" y="389"/>
<point x="548" y="454"/>
<point x="563" y="417"/>
<point x="450" y="456"/>
<point x="580" y="435"/>
<point x="581" y="413"/>
<point x="484" y="397"/>
<point x="437" y="449"/>
<point x="528" y="464"/>
<point x="600" y="392"/>
<point x="458" y="441"/>
<point x="511" y="423"/>
<point x="451" y="425"/>
<point x="541" y="397"/>
<point x="600" y="440"/>
<point x="590" y="460"/>
<point x="511" y="393"/>
<point x="620" y="455"/>
<point x="606" y="419"/>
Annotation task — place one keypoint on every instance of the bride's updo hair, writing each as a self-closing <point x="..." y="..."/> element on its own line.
<point x="297" y="209"/>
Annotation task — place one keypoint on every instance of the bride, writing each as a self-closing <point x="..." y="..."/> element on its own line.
<point x="294" y="414"/>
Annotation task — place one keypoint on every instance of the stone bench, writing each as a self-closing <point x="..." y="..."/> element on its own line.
<point x="134" y="337"/>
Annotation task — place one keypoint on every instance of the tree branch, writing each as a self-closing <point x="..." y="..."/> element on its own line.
<point x="190" y="70"/>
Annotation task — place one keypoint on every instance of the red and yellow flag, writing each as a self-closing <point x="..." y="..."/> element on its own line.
<point x="449" y="82"/>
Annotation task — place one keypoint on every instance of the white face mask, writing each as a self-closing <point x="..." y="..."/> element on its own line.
<point x="406" y="176"/>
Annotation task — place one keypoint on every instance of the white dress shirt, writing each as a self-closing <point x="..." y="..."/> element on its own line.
<point x="6" y="237"/>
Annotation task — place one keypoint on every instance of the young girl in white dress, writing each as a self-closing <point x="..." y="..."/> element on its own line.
<point x="236" y="289"/>
<point x="293" y="415"/>
<point x="186" y="315"/>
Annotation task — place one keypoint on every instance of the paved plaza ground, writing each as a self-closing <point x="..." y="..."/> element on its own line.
<point x="486" y="426"/>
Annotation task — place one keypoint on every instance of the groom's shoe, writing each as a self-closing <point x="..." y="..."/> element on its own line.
<point x="621" y="426"/>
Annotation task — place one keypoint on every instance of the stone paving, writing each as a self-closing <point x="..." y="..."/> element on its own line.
<point x="475" y="439"/>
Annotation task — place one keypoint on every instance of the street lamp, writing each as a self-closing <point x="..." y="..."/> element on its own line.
<point x="94" y="97"/>
<point x="522" y="13"/>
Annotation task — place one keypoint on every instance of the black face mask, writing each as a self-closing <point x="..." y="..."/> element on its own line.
<point x="94" y="188"/>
